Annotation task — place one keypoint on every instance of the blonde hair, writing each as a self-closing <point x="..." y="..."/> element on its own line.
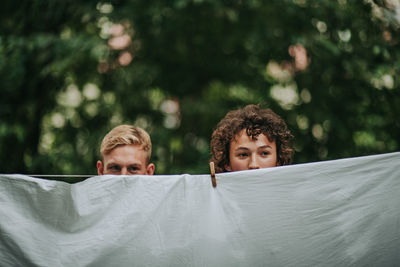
<point x="126" y="135"/>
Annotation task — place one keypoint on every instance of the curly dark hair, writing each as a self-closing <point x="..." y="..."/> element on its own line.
<point x="256" y="121"/>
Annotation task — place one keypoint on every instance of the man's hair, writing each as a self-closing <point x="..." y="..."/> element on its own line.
<point x="126" y="135"/>
<point x="255" y="121"/>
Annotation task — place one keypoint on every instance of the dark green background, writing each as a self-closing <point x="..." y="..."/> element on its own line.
<point x="63" y="87"/>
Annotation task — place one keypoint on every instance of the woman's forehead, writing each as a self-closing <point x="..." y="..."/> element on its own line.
<point x="254" y="133"/>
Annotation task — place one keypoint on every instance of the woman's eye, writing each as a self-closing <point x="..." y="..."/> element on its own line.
<point x="242" y="155"/>
<point x="264" y="153"/>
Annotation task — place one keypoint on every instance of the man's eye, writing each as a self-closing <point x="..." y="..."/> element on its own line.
<point x="114" y="168"/>
<point x="133" y="169"/>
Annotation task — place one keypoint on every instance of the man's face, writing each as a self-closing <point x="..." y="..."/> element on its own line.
<point x="125" y="160"/>
<point x="246" y="153"/>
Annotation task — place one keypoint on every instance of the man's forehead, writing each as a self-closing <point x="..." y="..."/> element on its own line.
<point x="125" y="163"/>
<point x="125" y="155"/>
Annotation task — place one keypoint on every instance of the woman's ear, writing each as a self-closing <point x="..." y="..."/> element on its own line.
<point x="228" y="168"/>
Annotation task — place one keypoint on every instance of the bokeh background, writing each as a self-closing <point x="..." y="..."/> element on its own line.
<point x="72" y="70"/>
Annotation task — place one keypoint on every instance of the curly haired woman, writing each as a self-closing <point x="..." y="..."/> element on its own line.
<point x="251" y="138"/>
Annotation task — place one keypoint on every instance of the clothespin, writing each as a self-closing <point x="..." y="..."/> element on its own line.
<point x="213" y="179"/>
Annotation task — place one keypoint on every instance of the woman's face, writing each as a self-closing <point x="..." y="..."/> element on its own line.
<point x="246" y="153"/>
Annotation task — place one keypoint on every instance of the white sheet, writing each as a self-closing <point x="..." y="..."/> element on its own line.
<point x="334" y="213"/>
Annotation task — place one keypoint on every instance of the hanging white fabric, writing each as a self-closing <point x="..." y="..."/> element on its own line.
<point x="335" y="213"/>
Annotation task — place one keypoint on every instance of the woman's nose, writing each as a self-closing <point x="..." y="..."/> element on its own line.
<point x="253" y="162"/>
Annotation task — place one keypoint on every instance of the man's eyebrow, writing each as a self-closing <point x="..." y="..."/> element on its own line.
<point x="135" y="165"/>
<point x="111" y="163"/>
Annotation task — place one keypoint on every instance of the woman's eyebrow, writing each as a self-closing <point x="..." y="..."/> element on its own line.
<point x="241" y="148"/>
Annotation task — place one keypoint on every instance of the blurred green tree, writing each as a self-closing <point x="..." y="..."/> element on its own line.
<point x="70" y="71"/>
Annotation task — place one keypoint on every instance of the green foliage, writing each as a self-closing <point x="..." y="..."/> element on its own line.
<point x="70" y="71"/>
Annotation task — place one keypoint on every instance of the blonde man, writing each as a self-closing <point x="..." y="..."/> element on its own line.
<point x="125" y="150"/>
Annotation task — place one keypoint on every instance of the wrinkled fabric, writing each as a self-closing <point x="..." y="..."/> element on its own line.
<point x="334" y="213"/>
